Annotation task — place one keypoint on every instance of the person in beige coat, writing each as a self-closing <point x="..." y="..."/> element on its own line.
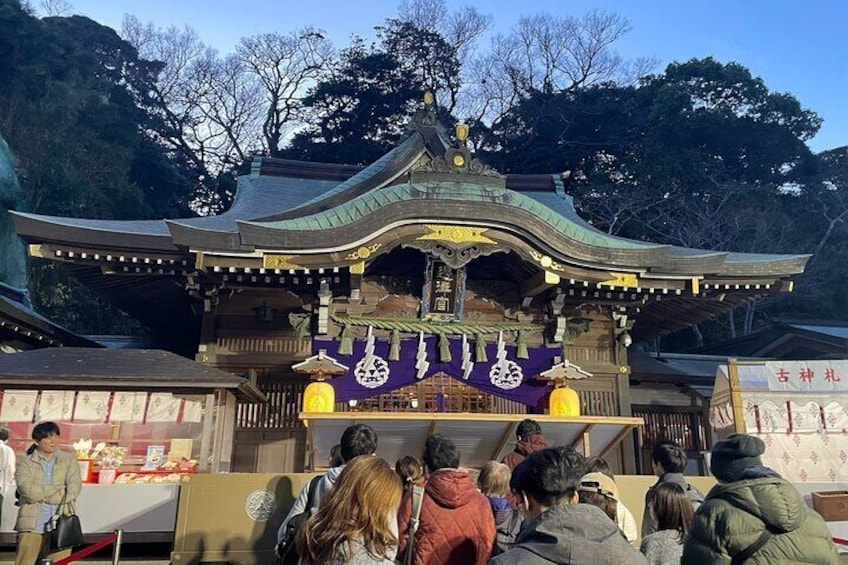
<point x="48" y="482"/>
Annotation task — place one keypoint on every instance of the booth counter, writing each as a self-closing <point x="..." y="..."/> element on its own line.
<point x="146" y="513"/>
<point x="479" y="437"/>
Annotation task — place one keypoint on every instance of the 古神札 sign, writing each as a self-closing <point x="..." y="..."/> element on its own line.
<point x="807" y="376"/>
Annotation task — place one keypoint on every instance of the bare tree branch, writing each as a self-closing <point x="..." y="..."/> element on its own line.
<point x="286" y="66"/>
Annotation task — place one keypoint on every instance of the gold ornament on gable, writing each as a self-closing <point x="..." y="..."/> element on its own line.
<point x="629" y="280"/>
<point x="363" y="252"/>
<point x="456" y="234"/>
<point x="546" y="261"/>
<point x="279" y="262"/>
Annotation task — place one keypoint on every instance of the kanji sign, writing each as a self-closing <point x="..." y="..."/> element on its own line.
<point x="807" y="376"/>
<point x="444" y="292"/>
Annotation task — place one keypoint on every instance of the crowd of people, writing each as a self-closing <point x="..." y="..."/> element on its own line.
<point x="546" y="504"/>
<point x="542" y="504"/>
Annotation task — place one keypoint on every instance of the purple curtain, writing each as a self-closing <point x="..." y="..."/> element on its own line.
<point x="402" y="372"/>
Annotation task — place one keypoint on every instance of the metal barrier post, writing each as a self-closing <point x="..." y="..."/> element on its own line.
<point x="116" y="554"/>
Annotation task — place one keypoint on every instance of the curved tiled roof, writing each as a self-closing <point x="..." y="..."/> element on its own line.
<point x="387" y="167"/>
<point x="359" y="208"/>
<point x="257" y="198"/>
<point x="292" y="206"/>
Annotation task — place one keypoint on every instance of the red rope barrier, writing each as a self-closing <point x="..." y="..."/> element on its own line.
<point x="87" y="551"/>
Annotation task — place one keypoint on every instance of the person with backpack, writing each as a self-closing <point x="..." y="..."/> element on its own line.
<point x="357" y="522"/>
<point x="753" y="515"/>
<point x="356" y="440"/>
<point x="455" y="525"/>
<point x="669" y="462"/>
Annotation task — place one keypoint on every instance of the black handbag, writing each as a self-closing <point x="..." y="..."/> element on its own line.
<point x="67" y="530"/>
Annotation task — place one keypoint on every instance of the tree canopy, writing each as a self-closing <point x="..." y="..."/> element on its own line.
<point x="152" y="123"/>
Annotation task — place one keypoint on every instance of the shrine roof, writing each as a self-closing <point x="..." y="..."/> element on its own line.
<point x="20" y="323"/>
<point x="63" y="368"/>
<point x="500" y="203"/>
<point x="318" y="207"/>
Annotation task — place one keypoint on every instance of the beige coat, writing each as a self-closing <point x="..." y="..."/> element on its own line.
<point x="33" y="492"/>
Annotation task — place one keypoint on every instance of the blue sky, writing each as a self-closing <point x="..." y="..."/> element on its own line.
<point x="797" y="47"/>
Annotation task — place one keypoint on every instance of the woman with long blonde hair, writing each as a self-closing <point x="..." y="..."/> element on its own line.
<point x="357" y="522"/>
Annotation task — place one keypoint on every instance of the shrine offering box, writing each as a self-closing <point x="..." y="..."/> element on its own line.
<point x="832" y="505"/>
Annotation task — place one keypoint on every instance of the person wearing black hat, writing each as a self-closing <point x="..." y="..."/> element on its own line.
<point x="753" y="515"/>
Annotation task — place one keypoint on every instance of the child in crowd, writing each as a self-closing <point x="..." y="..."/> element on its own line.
<point x="672" y="508"/>
<point x="493" y="481"/>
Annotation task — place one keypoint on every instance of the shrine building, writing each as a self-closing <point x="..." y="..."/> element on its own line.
<point x="439" y="284"/>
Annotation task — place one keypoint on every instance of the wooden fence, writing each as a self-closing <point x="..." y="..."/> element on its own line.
<point x="685" y="425"/>
<point x="438" y="393"/>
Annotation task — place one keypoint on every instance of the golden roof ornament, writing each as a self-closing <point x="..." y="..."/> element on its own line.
<point x="462" y="132"/>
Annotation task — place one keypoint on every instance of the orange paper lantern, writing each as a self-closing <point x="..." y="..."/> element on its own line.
<point x="319" y="397"/>
<point x="564" y="402"/>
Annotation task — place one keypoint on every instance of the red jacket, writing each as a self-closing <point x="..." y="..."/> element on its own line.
<point x="524" y="448"/>
<point x="456" y="524"/>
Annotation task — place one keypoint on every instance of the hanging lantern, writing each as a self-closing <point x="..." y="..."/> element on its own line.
<point x="319" y="396"/>
<point x="564" y="402"/>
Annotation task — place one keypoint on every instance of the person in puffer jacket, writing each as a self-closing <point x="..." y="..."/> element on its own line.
<point x="558" y="529"/>
<point x="754" y="516"/>
<point x="530" y="439"/>
<point x="456" y="525"/>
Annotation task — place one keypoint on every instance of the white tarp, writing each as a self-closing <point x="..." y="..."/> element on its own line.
<point x="798" y="408"/>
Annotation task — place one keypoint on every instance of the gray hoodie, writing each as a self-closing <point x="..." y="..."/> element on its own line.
<point x="324" y="486"/>
<point x="577" y="534"/>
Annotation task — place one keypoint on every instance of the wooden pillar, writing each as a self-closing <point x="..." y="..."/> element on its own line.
<point x="628" y="449"/>
<point x="225" y="422"/>
<point x="208" y="432"/>
<point x="736" y="396"/>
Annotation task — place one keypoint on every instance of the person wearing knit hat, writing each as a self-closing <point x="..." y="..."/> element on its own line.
<point x="753" y="515"/>
<point x="735" y="456"/>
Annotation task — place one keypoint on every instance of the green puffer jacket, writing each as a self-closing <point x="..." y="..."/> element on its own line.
<point x="734" y="515"/>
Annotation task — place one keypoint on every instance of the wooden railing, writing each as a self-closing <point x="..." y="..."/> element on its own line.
<point x="438" y="393"/>
<point x="275" y="345"/>
<point x="681" y="424"/>
<point x="598" y="402"/>
<point x="279" y="412"/>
